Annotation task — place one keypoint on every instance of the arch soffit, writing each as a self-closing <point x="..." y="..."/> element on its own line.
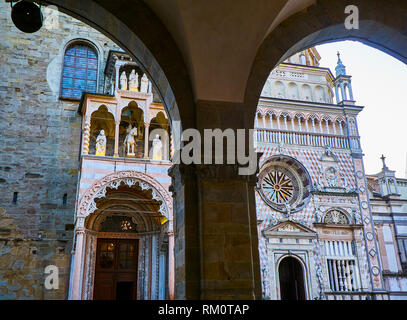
<point x="340" y="119"/>
<point x="294" y="256"/>
<point x="94" y="220"/>
<point x="97" y="107"/>
<point x="87" y="203"/>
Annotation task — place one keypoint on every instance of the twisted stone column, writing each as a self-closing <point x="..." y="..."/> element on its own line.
<point x="86" y="136"/>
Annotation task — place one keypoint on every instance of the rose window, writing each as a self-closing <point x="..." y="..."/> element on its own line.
<point x="284" y="184"/>
<point x="278" y="186"/>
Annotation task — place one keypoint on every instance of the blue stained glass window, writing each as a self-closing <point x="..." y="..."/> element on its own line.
<point x="70" y="51"/>
<point x="77" y="94"/>
<point x="69" y="61"/>
<point x="79" y="71"/>
<point x="91" y="74"/>
<point x="79" y="84"/>
<point x="92" y="64"/>
<point x="91" y="86"/>
<point x="92" y="54"/>
<point x="67" y="82"/>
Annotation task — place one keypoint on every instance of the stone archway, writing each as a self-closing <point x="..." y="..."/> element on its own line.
<point x="87" y="204"/>
<point x="83" y="259"/>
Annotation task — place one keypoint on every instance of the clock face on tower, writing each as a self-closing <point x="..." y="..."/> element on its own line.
<point x="284" y="183"/>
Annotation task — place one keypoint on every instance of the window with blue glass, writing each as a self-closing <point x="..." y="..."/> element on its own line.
<point x="80" y="71"/>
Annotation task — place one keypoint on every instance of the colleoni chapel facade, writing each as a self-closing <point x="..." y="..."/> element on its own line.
<point x="89" y="189"/>
<point x="318" y="235"/>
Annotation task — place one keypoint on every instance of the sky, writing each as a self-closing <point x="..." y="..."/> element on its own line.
<point x="379" y="83"/>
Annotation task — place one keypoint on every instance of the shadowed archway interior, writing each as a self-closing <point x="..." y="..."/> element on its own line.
<point x="131" y="237"/>
<point x="291" y="277"/>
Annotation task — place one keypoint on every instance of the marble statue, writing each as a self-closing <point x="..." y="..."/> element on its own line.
<point x="133" y="81"/>
<point x="157" y="148"/>
<point x="318" y="215"/>
<point x="144" y="84"/>
<point x="123" y="81"/>
<point x="101" y="144"/>
<point x="130" y="141"/>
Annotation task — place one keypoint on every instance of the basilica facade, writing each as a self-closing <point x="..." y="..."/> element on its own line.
<point x="316" y="227"/>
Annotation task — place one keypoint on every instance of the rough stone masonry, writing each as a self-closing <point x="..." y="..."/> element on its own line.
<point x="39" y="149"/>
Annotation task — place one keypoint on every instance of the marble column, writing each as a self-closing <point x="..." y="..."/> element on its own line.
<point x="77" y="273"/>
<point x="146" y="137"/>
<point x="116" y="139"/>
<point x="171" y="278"/>
<point x="86" y="135"/>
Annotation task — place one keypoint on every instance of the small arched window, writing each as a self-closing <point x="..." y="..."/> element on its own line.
<point x="79" y="71"/>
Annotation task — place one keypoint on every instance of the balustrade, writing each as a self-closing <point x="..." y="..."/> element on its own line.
<point x="342" y="269"/>
<point x="314" y="139"/>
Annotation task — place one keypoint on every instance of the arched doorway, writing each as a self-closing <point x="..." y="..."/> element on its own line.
<point x="124" y="240"/>
<point x="291" y="277"/>
<point x="131" y="245"/>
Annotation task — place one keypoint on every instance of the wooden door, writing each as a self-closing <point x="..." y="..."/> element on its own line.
<point x="116" y="269"/>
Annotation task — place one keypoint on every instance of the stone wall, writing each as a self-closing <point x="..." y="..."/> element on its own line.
<point x="39" y="148"/>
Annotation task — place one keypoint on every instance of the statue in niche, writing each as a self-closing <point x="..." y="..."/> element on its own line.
<point x="356" y="216"/>
<point x="130" y="141"/>
<point x="101" y="144"/>
<point x="123" y="81"/>
<point x="157" y="148"/>
<point x="144" y="84"/>
<point x="318" y="215"/>
<point x="133" y="81"/>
